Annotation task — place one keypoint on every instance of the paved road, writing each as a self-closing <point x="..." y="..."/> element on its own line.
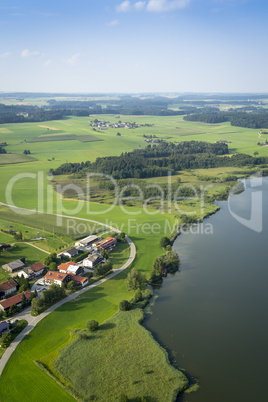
<point x="32" y="321"/>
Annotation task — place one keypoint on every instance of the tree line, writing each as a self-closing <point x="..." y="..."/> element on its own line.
<point x="158" y="160"/>
<point x="257" y="118"/>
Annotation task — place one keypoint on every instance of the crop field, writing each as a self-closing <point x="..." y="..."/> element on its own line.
<point x="6" y="159"/>
<point x="64" y="137"/>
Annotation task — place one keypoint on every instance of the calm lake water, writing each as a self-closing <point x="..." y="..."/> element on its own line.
<point x="213" y="313"/>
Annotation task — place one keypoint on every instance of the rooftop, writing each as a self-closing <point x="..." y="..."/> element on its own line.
<point x="56" y="276"/>
<point x="7" y="285"/>
<point x="12" y="301"/>
<point x="38" y="266"/>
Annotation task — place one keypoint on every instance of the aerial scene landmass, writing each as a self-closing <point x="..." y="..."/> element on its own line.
<point x="133" y="201"/>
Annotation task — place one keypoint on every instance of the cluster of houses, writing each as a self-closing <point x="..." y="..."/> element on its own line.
<point x="103" y="125"/>
<point x="69" y="271"/>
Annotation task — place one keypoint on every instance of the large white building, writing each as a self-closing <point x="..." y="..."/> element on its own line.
<point x="87" y="241"/>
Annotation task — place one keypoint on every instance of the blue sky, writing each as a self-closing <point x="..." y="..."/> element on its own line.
<point x="134" y="46"/>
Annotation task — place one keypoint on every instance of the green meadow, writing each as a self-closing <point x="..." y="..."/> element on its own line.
<point x="134" y="364"/>
<point x="27" y="185"/>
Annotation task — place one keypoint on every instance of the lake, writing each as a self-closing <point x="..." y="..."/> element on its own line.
<point x="213" y="313"/>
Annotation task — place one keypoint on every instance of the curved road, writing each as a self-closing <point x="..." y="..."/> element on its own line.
<point x="32" y="321"/>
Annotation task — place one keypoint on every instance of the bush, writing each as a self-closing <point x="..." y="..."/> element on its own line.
<point x="103" y="269"/>
<point x="92" y="325"/>
<point x="124" y="305"/>
<point x="6" y="339"/>
<point x="164" y="242"/>
<point x="135" y="279"/>
<point x="138" y="296"/>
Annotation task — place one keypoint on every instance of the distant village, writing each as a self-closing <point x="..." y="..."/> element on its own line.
<point x="93" y="251"/>
<point x="104" y="125"/>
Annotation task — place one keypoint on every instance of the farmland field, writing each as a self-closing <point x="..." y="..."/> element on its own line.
<point x="21" y="376"/>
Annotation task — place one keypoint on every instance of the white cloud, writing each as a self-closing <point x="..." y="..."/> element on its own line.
<point x="4" y="55"/>
<point x="166" y="5"/>
<point x="26" y="53"/>
<point x="73" y="60"/>
<point x="112" y="23"/>
<point x="139" y="5"/>
<point x="47" y="63"/>
<point x="127" y="6"/>
<point x="124" y="7"/>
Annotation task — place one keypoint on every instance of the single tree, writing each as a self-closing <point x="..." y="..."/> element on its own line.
<point x="92" y="325"/>
<point x="135" y="279"/>
<point x="124" y="305"/>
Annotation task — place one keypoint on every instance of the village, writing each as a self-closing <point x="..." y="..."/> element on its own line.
<point x="64" y="271"/>
<point x="104" y="125"/>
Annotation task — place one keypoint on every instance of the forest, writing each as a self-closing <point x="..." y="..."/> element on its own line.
<point x="243" y="117"/>
<point x="158" y="160"/>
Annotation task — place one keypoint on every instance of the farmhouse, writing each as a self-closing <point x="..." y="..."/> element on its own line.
<point x="38" y="268"/>
<point x="58" y="278"/>
<point x="72" y="252"/>
<point x="15" y="300"/>
<point x="87" y="241"/>
<point x="92" y="260"/>
<point x="4" y="327"/>
<point x="27" y="273"/>
<point x="14" y="266"/>
<point x="7" y="288"/>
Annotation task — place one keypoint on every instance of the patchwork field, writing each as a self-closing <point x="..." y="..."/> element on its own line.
<point x="21" y="376"/>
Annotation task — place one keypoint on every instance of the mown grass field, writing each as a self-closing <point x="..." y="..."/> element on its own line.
<point x="124" y="352"/>
<point x="119" y="255"/>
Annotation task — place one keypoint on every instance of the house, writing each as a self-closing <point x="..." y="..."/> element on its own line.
<point x="107" y="243"/>
<point x="7" y="288"/>
<point x="79" y="280"/>
<point x="14" y="266"/>
<point x="87" y="241"/>
<point x="15" y="300"/>
<point x="64" y="266"/>
<point x="92" y="260"/>
<point x="58" y="278"/>
<point x="72" y="252"/>
<point x="27" y="273"/>
<point x="38" y="268"/>
<point x="4" y="327"/>
<point x="71" y="268"/>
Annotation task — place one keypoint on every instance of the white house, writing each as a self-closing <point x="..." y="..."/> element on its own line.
<point x="72" y="252"/>
<point x="92" y="260"/>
